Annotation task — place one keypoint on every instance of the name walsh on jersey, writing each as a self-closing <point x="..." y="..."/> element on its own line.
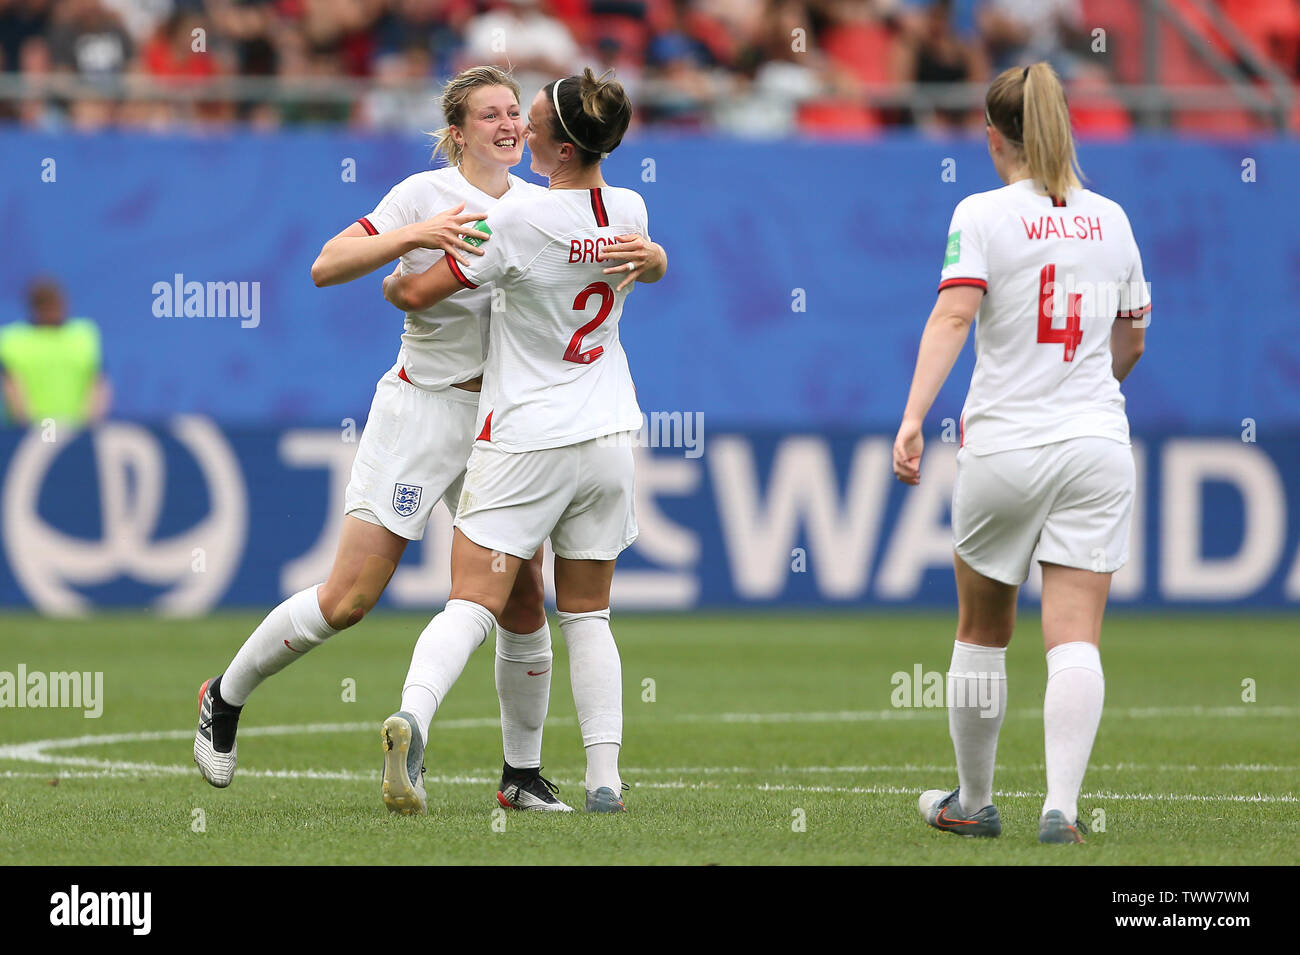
<point x="1058" y="227"/>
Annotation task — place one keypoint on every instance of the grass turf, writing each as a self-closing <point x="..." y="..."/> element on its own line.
<point x="770" y="739"/>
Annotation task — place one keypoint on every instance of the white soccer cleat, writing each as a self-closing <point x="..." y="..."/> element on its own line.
<point x="404" y="766"/>
<point x="215" y="749"/>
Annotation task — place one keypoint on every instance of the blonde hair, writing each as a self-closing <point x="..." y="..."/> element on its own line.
<point x="591" y="112"/>
<point x="1027" y="106"/>
<point x="455" y="103"/>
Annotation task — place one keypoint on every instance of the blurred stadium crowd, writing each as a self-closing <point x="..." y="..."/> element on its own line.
<point x="754" y="67"/>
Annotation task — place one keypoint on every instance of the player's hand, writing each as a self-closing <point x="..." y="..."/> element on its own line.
<point x="444" y="232"/>
<point x="630" y="250"/>
<point x="907" y="452"/>
<point x="389" y="279"/>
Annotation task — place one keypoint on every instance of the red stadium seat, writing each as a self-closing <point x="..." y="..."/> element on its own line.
<point x="1095" y="113"/>
<point x="837" y="118"/>
<point x="1271" y="26"/>
<point x="864" y="49"/>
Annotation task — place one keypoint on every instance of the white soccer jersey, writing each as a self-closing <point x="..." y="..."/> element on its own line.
<point x="447" y="343"/>
<point x="556" y="374"/>
<point x="1056" y="275"/>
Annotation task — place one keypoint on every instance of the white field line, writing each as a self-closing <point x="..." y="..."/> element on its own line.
<point x="39" y="752"/>
<point x="910" y="791"/>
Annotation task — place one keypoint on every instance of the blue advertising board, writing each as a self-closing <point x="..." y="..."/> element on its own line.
<point x="187" y="516"/>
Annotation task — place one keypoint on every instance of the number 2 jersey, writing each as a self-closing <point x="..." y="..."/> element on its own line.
<point x="1056" y="275"/>
<point x="556" y="373"/>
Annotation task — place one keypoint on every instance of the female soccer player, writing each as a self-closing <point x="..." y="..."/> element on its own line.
<point x="417" y="439"/>
<point x="552" y="456"/>
<point x="1054" y="273"/>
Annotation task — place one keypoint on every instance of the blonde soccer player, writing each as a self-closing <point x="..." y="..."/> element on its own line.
<point x="1054" y="274"/>
<point x="416" y="441"/>
<point x="553" y="454"/>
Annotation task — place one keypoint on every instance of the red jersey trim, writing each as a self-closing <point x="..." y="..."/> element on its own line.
<point x="401" y="373"/>
<point x="1135" y="313"/>
<point x="365" y="224"/>
<point x="598" y="208"/>
<point x="486" y="433"/>
<point x="974" y="283"/>
<point x="1058" y="202"/>
<point x="460" y="276"/>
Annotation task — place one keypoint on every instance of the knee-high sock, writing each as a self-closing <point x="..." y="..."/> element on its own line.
<point x="288" y="631"/>
<point x="523" y="671"/>
<point x="977" y="701"/>
<point x="1076" y="689"/>
<point x="596" y="674"/>
<point x="440" y="656"/>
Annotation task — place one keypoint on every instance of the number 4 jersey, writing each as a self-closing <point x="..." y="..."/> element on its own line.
<point x="1056" y="274"/>
<point x="556" y="374"/>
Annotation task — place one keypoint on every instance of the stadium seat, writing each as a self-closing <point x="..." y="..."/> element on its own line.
<point x="1094" y="112"/>
<point x="1271" y="26"/>
<point x="837" y="118"/>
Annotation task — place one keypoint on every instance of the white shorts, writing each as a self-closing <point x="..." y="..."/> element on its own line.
<point x="580" y="496"/>
<point x="411" y="454"/>
<point x="1072" y="500"/>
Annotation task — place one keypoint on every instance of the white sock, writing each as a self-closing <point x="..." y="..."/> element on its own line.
<point x="523" y="670"/>
<point x="977" y="702"/>
<point x="288" y="631"/>
<point x="596" y="674"/>
<point x="1072" y="705"/>
<point x="440" y="656"/>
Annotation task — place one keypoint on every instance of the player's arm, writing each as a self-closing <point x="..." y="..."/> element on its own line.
<point x="355" y="251"/>
<point x="649" y="260"/>
<point x="1127" y="342"/>
<point x="14" y="399"/>
<point x="941" y="342"/>
<point x="99" y="399"/>
<point x="416" y="291"/>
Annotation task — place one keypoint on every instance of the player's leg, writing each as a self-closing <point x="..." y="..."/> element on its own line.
<point x="1085" y="539"/>
<point x="523" y="668"/>
<point x="507" y="505"/>
<point x="1074" y="601"/>
<point x="481" y="581"/>
<point x="977" y="696"/>
<point x="366" y="558"/>
<point x="523" y="680"/>
<point x="596" y="526"/>
<point x="595" y="672"/>
<point x="996" y="513"/>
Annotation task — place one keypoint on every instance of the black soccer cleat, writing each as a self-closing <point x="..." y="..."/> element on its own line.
<point x="528" y="789"/>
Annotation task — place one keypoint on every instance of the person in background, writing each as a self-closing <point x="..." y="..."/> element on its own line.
<point x="932" y="50"/>
<point x="52" y="366"/>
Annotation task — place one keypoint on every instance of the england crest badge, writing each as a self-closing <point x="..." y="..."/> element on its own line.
<point x="406" y="499"/>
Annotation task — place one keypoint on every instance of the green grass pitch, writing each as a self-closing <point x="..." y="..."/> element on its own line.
<point x="770" y="739"/>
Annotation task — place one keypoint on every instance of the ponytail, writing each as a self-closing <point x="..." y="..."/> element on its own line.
<point x="592" y="112"/>
<point x="1028" y="107"/>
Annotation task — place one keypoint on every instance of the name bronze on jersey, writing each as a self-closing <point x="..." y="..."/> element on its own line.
<point x="1058" y="227"/>
<point x="588" y="250"/>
